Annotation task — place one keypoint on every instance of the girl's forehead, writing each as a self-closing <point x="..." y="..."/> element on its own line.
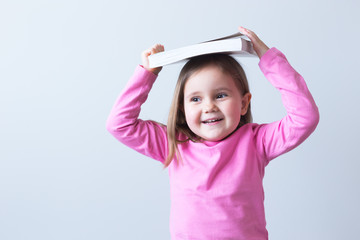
<point x="210" y="77"/>
<point x="208" y="72"/>
<point x="208" y="69"/>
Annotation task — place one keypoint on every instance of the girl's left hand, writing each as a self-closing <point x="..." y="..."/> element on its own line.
<point x="259" y="46"/>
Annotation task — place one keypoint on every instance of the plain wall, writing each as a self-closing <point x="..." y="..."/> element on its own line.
<point x="63" y="64"/>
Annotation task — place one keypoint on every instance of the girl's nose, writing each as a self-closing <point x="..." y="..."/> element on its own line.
<point x="209" y="106"/>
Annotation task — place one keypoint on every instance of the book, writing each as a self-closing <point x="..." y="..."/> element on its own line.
<point x="236" y="44"/>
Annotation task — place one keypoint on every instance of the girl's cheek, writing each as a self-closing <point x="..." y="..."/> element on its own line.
<point x="192" y="115"/>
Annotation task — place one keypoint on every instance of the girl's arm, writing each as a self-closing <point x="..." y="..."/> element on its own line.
<point x="302" y="116"/>
<point x="146" y="137"/>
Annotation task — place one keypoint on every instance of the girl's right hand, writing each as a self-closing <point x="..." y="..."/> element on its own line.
<point x="145" y="61"/>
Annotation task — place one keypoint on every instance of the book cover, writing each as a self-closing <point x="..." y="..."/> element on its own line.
<point x="236" y="44"/>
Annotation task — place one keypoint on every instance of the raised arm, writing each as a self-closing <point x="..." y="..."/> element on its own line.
<point x="302" y="116"/>
<point x="146" y="137"/>
<point x="302" y="113"/>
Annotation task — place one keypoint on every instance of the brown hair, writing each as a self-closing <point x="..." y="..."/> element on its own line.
<point x="176" y="121"/>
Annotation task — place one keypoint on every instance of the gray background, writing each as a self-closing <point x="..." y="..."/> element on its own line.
<point x="63" y="64"/>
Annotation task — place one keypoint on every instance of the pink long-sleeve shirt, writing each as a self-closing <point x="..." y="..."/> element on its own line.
<point x="218" y="192"/>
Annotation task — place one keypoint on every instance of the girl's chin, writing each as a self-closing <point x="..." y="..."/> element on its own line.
<point x="216" y="138"/>
<point x="213" y="139"/>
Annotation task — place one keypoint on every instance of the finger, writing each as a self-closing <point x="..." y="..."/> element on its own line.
<point x="250" y="34"/>
<point x="152" y="50"/>
<point x="159" y="48"/>
<point x="244" y="30"/>
<point x="247" y="33"/>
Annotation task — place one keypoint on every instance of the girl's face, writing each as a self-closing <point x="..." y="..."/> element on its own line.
<point x="213" y="104"/>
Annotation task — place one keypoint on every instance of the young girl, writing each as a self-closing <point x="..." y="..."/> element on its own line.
<point x="215" y="155"/>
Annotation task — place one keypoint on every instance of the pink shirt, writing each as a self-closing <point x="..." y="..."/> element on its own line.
<point x="218" y="192"/>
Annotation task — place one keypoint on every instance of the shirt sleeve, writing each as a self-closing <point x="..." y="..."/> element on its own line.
<point x="146" y="137"/>
<point x="302" y="117"/>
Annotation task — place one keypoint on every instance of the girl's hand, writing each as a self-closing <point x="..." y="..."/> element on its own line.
<point x="145" y="61"/>
<point x="259" y="47"/>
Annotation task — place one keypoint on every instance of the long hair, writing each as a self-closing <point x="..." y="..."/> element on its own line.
<point x="176" y="124"/>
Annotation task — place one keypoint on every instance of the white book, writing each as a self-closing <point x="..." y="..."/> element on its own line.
<point x="236" y="44"/>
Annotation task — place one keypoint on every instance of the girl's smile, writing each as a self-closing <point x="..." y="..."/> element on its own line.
<point x="212" y="121"/>
<point x="213" y="104"/>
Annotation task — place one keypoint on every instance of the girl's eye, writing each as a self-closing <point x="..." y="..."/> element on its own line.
<point x="221" y="95"/>
<point x="195" y="99"/>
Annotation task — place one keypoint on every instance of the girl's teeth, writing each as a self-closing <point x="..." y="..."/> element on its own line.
<point x="210" y="121"/>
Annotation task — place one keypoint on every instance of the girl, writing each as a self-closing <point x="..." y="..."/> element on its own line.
<point x="215" y="155"/>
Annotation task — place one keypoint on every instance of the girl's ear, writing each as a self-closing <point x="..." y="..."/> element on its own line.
<point x="245" y="101"/>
